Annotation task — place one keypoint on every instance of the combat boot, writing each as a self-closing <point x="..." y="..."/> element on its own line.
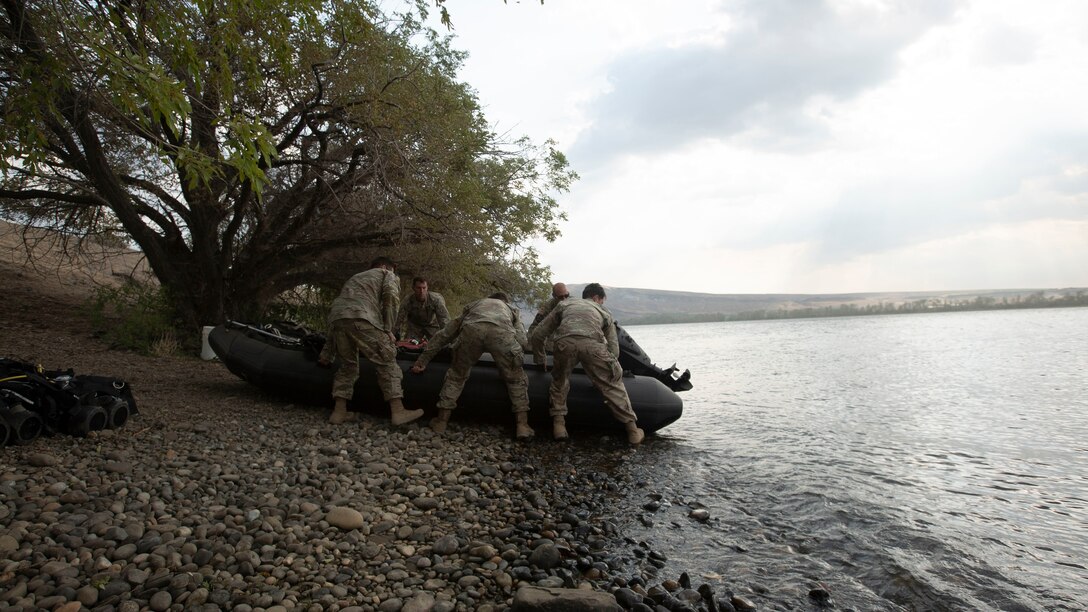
<point x="340" y="412"/>
<point x="438" y="424"/>
<point x="400" y="414"/>
<point x="522" y="430"/>
<point x="559" y="427"/>
<point x="634" y="433"/>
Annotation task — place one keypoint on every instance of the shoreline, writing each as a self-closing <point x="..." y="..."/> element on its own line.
<point x="219" y="496"/>
<point x="249" y="504"/>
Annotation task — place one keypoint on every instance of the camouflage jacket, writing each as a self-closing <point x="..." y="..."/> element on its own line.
<point x="487" y="311"/>
<point x="430" y="313"/>
<point x="581" y="318"/>
<point x="372" y="296"/>
<point x="544" y="311"/>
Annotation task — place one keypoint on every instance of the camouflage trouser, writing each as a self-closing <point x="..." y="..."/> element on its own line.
<point x="420" y="332"/>
<point x="503" y="346"/>
<point x="600" y="366"/>
<point x="353" y="336"/>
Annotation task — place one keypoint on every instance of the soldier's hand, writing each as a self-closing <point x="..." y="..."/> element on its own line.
<point x="418" y="368"/>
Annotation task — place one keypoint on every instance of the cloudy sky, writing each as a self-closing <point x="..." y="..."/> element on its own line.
<point x="802" y="146"/>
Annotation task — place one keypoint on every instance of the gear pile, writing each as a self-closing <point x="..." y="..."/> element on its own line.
<point x="35" y="402"/>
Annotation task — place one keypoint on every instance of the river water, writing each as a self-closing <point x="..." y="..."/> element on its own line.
<point x="919" y="462"/>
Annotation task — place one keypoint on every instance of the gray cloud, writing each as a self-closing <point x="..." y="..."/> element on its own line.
<point x="785" y="52"/>
<point x="901" y="211"/>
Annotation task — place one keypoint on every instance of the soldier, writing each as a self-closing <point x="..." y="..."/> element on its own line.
<point x="585" y="332"/>
<point x="559" y="293"/>
<point x="491" y="325"/>
<point x="424" y="312"/>
<point x="361" y="320"/>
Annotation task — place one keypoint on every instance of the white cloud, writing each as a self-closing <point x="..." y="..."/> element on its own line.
<point x="779" y="146"/>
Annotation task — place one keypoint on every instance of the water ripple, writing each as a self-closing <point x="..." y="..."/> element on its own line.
<point x="926" y="462"/>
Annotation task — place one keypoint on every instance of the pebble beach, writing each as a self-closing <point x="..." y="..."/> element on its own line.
<point x="218" y="496"/>
<point x="245" y="504"/>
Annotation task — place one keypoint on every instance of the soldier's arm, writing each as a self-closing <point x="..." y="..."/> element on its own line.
<point x="390" y="301"/>
<point x="611" y="337"/>
<point x="541" y="333"/>
<point x="440" y="311"/>
<point x="402" y="318"/>
<point x="439" y="341"/>
<point x="542" y="312"/>
<point x="519" y="329"/>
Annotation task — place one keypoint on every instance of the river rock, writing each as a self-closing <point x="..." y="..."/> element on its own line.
<point x="446" y="545"/>
<point x="533" y="598"/>
<point x="423" y="602"/>
<point x="545" y="556"/>
<point x="42" y="460"/>
<point x="345" y="518"/>
<point x="8" y="544"/>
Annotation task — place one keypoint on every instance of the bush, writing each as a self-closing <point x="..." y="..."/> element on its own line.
<point x="136" y="316"/>
<point x="305" y="305"/>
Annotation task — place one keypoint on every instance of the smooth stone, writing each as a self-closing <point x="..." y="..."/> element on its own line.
<point x="118" y="467"/>
<point x="8" y="544"/>
<point x="42" y="460"/>
<point x="345" y="518"/>
<point x="87" y="596"/>
<point x="531" y="598"/>
<point x="742" y="604"/>
<point x="423" y="602"/>
<point x="160" y="601"/>
<point x="627" y="598"/>
<point x="545" y="556"/>
<point x="425" y="503"/>
<point x="393" y="604"/>
<point x="446" y="545"/>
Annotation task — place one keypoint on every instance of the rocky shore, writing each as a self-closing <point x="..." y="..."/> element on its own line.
<point x="241" y="502"/>
<point x="218" y="497"/>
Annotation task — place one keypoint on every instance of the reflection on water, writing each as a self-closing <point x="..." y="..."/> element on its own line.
<point x="923" y="461"/>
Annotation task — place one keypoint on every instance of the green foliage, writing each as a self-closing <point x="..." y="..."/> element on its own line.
<point x="249" y="147"/>
<point x="306" y="305"/>
<point x="135" y="316"/>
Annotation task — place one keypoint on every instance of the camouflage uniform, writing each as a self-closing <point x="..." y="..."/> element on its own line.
<point x="424" y="319"/>
<point x="584" y="331"/>
<point x="548" y="344"/>
<point x="360" y="320"/>
<point x="489" y="325"/>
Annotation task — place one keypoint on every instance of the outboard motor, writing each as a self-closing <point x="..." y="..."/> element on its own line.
<point x="636" y="361"/>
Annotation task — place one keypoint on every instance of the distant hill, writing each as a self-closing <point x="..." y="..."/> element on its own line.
<point x="646" y="306"/>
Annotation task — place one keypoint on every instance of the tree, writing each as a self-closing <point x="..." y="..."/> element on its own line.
<point x="251" y="146"/>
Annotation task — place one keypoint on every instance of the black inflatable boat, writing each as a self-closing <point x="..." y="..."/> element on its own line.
<point x="284" y="361"/>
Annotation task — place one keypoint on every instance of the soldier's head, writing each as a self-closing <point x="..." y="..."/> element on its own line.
<point x="419" y="288"/>
<point x="560" y="292"/>
<point x="384" y="263"/>
<point x="595" y="292"/>
<point x="499" y="295"/>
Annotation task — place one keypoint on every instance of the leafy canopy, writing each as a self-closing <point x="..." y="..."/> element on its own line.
<point x="250" y="147"/>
